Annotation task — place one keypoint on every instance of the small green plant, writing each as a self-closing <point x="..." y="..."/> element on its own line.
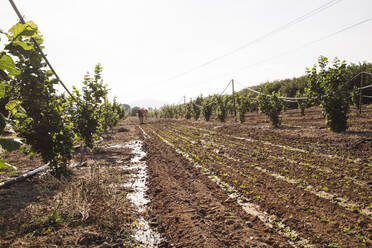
<point x="335" y="245"/>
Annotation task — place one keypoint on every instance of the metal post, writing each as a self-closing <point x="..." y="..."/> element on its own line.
<point x="233" y="95"/>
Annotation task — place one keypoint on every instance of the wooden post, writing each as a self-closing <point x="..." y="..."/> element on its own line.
<point x="361" y="94"/>
<point x="233" y="95"/>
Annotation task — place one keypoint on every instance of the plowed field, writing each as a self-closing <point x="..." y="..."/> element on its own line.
<point x="234" y="185"/>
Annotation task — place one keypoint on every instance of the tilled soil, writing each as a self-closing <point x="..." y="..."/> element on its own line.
<point x="306" y="132"/>
<point x="192" y="211"/>
<point x="217" y="185"/>
<point x="323" y="199"/>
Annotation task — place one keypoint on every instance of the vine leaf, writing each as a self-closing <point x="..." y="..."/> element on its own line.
<point x="4" y="76"/>
<point x="12" y="106"/>
<point x="23" y="45"/>
<point x="7" y="63"/>
<point x="10" y="144"/>
<point x="3" y="164"/>
<point x="2" y="91"/>
<point x="17" y="29"/>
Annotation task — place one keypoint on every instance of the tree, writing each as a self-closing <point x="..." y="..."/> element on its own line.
<point x="243" y="105"/>
<point x="188" y="110"/>
<point x="87" y="114"/>
<point x="271" y="105"/>
<point x="196" y="104"/>
<point x="37" y="111"/>
<point x="301" y="103"/>
<point x="207" y="108"/>
<point x="328" y="87"/>
<point x="222" y="107"/>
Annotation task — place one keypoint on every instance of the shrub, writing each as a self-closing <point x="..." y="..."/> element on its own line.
<point x="222" y="107"/>
<point x="207" y="108"/>
<point x="271" y="105"/>
<point x="329" y="88"/>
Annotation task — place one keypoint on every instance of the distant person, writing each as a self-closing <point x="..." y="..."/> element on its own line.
<point x="141" y="113"/>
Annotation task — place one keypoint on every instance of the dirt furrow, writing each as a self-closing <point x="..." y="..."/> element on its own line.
<point x="328" y="185"/>
<point x="269" y="189"/>
<point x="192" y="211"/>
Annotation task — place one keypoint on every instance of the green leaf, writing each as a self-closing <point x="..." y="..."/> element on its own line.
<point x="17" y="29"/>
<point x="2" y="90"/>
<point x="4" y="76"/>
<point x="12" y="106"/>
<point x="23" y="45"/>
<point x="29" y="29"/>
<point x="3" y="164"/>
<point x="31" y="25"/>
<point x="10" y="144"/>
<point x="7" y="63"/>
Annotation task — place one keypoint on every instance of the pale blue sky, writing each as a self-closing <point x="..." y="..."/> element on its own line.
<point x="142" y="43"/>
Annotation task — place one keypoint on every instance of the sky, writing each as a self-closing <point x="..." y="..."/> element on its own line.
<point x="145" y="46"/>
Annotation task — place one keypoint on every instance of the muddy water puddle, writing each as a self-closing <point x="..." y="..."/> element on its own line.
<point x="136" y="183"/>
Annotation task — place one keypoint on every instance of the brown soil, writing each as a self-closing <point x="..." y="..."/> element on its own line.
<point x="248" y="166"/>
<point x="269" y="168"/>
<point x="191" y="211"/>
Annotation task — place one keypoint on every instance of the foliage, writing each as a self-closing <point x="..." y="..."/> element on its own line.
<point x="243" y="106"/>
<point x="207" y="108"/>
<point x="87" y="115"/>
<point x="188" y="110"/>
<point x="355" y="97"/>
<point x="179" y="111"/>
<point x="196" y="105"/>
<point x="40" y="122"/>
<point x="302" y="104"/>
<point x="329" y="88"/>
<point x="155" y="113"/>
<point x="168" y="111"/>
<point x="271" y="105"/>
<point x="222" y="107"/>
<point x="111" y="114"/>
<point x="44" y="120"/>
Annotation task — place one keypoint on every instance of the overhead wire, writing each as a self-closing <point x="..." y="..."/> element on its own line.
<point x="258" y="39"/>
<point x="306" y="45"/>
<point x="217" y="95"/>
<point x="295" y="99"/>
<point x="297" y="48"/>
<point x="301" y="47"/>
